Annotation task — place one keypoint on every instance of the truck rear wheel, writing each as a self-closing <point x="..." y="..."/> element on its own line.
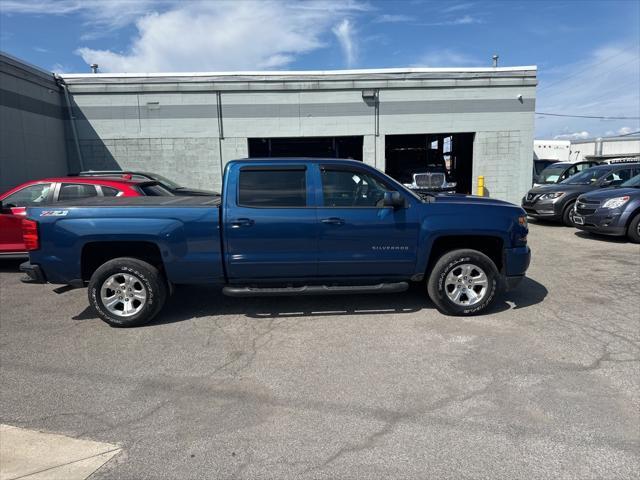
<point x="463" y="282"/>
<point x="127" y="292"/>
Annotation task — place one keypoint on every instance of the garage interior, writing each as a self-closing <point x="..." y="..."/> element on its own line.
<point x="409" y="154"/>
<point x="314" y="147"/>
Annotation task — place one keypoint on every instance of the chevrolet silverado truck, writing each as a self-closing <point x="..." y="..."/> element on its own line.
<point x="280" y="227"/>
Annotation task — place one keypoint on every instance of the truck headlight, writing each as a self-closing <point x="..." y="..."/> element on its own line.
<point x="450" y="184"/>
<point x="616" y="202"/>
<point x="551" y="196"/>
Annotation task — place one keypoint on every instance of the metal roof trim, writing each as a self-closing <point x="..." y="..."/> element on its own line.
<point x="302" y="74"/>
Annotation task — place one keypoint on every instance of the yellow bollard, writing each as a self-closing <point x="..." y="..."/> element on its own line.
<point x="481" y="186"/>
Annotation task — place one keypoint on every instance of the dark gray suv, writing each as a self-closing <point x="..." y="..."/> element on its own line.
<point x="611" y="211"/>
<point x="555" y="202"/>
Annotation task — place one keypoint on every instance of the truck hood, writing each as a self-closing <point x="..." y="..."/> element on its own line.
<point x="605" y="193"/>
<point x="471" y="200"/>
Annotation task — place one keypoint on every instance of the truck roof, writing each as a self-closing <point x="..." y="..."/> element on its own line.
<point x="281" y="160"/>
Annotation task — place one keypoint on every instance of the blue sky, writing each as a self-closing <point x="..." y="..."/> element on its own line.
<point x="587" y="52"/>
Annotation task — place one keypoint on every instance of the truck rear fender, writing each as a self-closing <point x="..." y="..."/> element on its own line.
<point x="95" y="254"/>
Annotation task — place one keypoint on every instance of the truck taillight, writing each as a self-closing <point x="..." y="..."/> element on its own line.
<point x="30" y="234"/>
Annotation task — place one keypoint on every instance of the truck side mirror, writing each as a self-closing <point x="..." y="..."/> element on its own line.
<point x="393" y="199"/>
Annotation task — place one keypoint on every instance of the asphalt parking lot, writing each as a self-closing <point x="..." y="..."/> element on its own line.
<point x="545" y="386"/>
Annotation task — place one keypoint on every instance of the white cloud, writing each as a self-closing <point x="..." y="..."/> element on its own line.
<point x="100" y="14"/>
<point x="392" y="18"/>
<point x="58" y="68"/>
<point x="200" y="36"/>
<point x="606" y="83"/>
<point x="572" y="136"/>
<point x="344" y="32"/>
<point x="446" y="58"/>
<point x="457" y="7"/>
<point x="464" y="20"/>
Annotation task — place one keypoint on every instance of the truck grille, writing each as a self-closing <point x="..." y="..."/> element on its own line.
<point x="429" y="180"/>
<point x="587" y="207"/>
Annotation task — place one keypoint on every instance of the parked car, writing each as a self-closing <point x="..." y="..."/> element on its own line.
<point x="555" y="202"/>
<point x="281" y="227"/>
<point x="51" y="190"/>
<point x="170" y="185"/>
<point x="560" y="171"/>
<point x="538" y="166"/>
<point x="612" y="211"/>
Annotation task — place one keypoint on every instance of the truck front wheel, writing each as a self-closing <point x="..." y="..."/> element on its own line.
<point x="463" y="282"/>
<point x="127" y="292"/>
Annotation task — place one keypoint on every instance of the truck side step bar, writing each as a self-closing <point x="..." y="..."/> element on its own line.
<point x="314" y="290"/>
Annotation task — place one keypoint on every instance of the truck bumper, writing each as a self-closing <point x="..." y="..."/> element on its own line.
<point x="516" y="261"/>
<point x="34" y="273"/>
<point x="515" y="264"/>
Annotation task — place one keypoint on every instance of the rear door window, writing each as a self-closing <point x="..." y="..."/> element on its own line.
<point x="74" y="191"/>
<point x="277" y="188"/>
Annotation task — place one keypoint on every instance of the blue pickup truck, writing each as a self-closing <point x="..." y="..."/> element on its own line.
<point x="281" y="227"/>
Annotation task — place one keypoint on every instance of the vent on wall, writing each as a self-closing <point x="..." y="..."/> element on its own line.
<point x="153" y="105"/>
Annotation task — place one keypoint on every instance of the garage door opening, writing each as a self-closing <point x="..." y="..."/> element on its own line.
<point x="431" y="161"/>
<point x="314" y="147"/>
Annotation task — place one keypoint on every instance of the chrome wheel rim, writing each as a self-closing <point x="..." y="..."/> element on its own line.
<point x="466" y="285"/>
<point x="123" y="294"/>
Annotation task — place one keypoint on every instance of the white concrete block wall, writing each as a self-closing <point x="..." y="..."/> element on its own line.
<point x="499" y="156"/>
<point x="369" y="150"/>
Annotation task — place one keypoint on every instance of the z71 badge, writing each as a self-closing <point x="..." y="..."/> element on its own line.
<point x="54" y="213"/>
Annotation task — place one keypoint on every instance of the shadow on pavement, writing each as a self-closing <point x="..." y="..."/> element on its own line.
<point x="601" y="238"/>
<point x="199" y="301"/>
<point x="546" y="223"/>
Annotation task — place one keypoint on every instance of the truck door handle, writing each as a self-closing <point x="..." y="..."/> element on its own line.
<point x="242" y="222"/>
<point x="333" y="221"/>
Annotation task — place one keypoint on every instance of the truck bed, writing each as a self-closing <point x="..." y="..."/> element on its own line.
<point x="183" y="231"/>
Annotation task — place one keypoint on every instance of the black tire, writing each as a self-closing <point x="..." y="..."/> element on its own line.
<point x="450" y="261"/>
<point x="633" y="232"/>
<point x="567" y="215"/>
<point x="147" y="275"/>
